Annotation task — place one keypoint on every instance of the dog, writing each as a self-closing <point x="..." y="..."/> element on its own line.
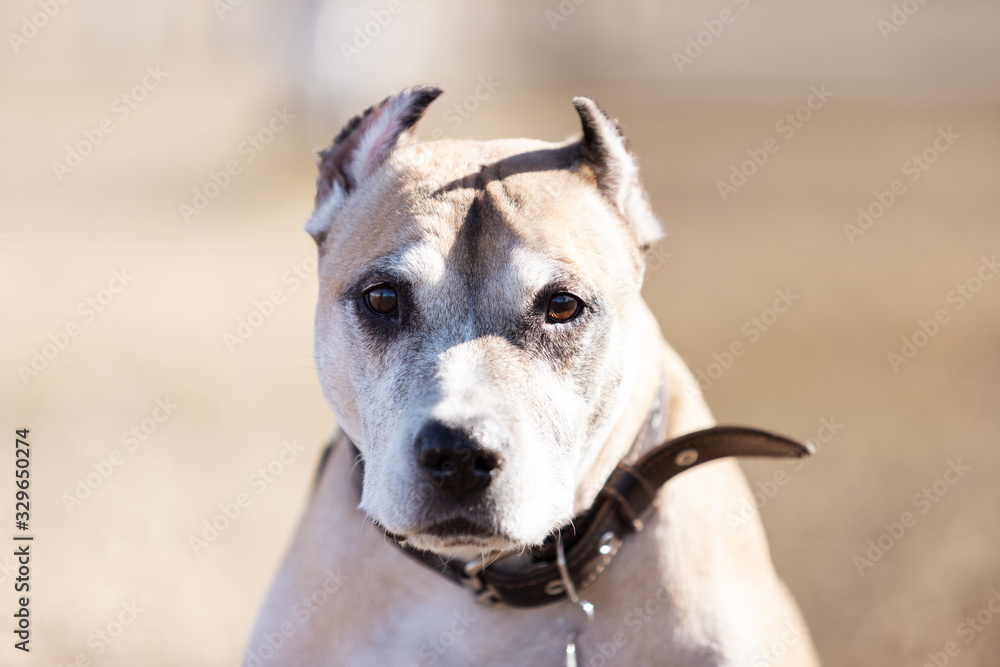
<point x="481" y="339"/>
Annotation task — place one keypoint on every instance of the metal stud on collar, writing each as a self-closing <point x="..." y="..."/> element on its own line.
<point x="687" y="457"/>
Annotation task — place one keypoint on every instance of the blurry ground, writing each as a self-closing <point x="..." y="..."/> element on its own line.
<point x="162" y="337"/>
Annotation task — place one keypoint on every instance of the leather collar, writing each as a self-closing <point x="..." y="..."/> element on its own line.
<point x="593" y="539"/>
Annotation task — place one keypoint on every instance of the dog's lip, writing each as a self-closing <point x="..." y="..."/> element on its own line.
<point x="458" y="526"/>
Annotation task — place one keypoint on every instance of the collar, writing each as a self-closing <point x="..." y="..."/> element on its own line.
<point x="592" y="540"/>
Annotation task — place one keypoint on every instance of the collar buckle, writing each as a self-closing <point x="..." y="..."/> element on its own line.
<point x="485" y="594"/>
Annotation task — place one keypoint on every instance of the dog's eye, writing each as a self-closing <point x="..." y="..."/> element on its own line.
<point x="562" y="308"/>
<point x="382" y="299"/>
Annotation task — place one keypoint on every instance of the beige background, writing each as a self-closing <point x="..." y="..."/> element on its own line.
<point x="162" y="336"/>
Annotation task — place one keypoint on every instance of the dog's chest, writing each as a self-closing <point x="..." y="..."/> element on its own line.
<point x="349" y="597"/>
<point x="414" y="634"/>
<point x="390" y="610"/>
<point x="447" y="628"/>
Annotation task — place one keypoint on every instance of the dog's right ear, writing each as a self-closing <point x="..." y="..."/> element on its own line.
<point x="605" y="150"/>
<point x="361" y="147"/>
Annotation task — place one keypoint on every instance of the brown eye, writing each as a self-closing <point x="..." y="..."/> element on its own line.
<point x="382" y="299"/>
<point x="562" y="308"/>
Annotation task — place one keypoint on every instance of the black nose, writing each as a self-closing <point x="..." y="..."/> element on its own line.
<point x="452" y="460"/>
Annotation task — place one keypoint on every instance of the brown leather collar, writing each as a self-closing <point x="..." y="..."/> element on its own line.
<point x="593" y="539"/>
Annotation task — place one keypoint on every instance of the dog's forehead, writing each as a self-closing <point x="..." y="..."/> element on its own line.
<point x="481" y="208"/>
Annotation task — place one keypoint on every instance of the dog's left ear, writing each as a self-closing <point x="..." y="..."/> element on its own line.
<point x="605" y="151"/>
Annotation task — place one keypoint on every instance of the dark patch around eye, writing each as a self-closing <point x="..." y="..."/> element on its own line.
<point x="382" y="309"/>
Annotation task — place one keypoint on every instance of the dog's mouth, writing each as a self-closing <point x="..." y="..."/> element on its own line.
<point x="456" y="534"/>
<point x="458" y="527"/>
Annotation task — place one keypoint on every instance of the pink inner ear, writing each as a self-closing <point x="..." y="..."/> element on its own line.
<point x="379" y="134"/>
<point x="369" y="145"/>
<point x="358" y="154"/>
<point x="368" y="139"/>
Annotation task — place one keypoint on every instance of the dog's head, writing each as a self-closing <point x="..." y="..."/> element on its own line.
<point x="476" y="326"/>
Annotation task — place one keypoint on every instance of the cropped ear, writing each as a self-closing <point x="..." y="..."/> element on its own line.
<point x="606" y="152"/>
<point x="361" y="147"/>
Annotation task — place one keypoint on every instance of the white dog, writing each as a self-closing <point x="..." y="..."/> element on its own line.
<point x="482" y="341"/>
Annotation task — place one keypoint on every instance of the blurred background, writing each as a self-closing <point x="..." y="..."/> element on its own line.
<point x="158" y="291"/>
